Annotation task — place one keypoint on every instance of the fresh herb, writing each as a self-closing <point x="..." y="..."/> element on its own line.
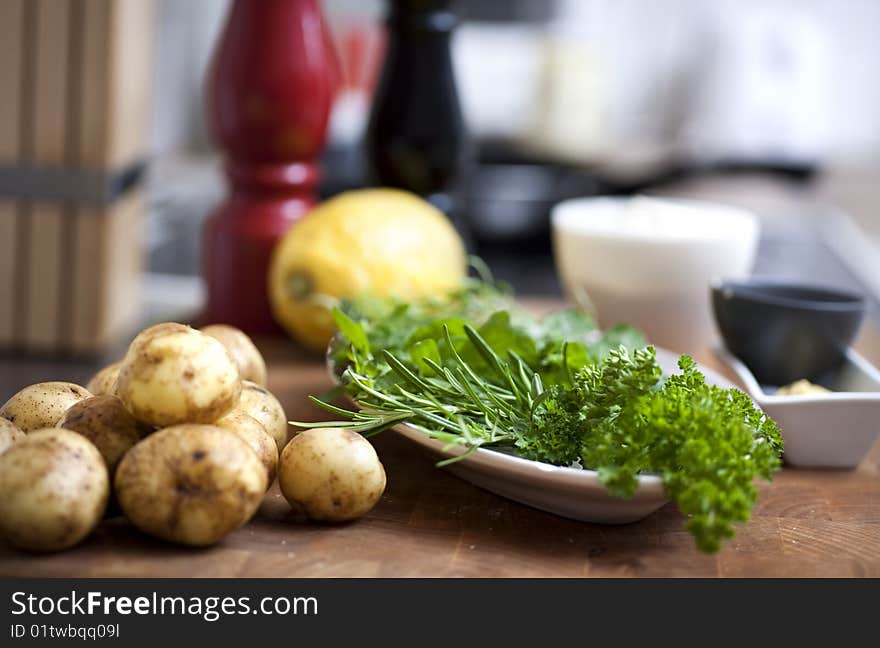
<point x="555" y="390"/>
<point x="413" y="331"/>
<point x="707" y="443"/>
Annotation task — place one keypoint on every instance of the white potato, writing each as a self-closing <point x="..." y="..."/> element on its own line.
<point x="9" y="434"/>
<point x="260" y="403"/>
<point x="331" y="474"/>
<point x="53" y="490"/>
<point x="105" y="422"/>
<point x="104" y="382"/>
<point x="254" y="434"/>
<point x="191" y="484"/>
<point x="175" y="374"/>
<point x="41" y="405"/>
<point x="248" y="359"/>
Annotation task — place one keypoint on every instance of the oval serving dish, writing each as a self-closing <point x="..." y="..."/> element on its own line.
<point x="570" y="492"/>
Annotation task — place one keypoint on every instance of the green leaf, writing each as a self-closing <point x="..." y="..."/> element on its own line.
<point x="352" y="330"/>
<point x="614" y="337"/>
<point x="502" y="334"/>
<point x="575" y="357"/>
<point x="435" y="331"/>
<point x="422" y="350"/>
<point x="568" y="324"/>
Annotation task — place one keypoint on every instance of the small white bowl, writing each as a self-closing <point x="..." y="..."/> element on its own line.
<point x="834" y="430"/>
<point x="649" y="261"/>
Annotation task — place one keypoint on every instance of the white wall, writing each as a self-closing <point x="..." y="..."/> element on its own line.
<point x="640" y="79"/>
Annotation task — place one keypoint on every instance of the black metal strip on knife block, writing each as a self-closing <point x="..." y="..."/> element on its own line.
<point x="70" y="185"/>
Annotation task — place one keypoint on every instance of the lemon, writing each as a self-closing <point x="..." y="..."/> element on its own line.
<point x="382" y="242"/>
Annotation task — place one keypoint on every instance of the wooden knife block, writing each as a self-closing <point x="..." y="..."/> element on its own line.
<point x="74" y="124"/>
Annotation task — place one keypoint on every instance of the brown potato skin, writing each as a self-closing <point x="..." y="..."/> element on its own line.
<point x="104" y="382"/>
<point x="40" y="405"/>
<point x="331" y="474"/>
<point x="53" y="490"/>
<point x="191" y="484"/>
<point x="260" y="403"/>
<point x="105" y="422"/>
<point x="174" y="374"/>
<point x="254" y="434"/>
<point x="250" y="362"/>
<point x="9" y="434"/>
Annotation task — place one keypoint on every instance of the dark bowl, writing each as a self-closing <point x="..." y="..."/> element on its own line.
<point x="784" y="332"/>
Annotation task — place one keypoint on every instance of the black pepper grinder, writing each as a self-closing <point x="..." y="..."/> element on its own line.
<point x="416" y="138"/>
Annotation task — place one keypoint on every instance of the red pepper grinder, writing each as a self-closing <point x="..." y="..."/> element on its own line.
<point x="269" y="93"/>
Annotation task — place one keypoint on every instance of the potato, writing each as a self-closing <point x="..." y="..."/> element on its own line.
<point x="53" y="490"/>
<point x="162" y="328"/>
<point x="331" y="474"/>
<point x="247" y="357"/>
<point x="174" y="374"/>
<point x="190" y="483"/>
<point x="254" y="434"/>
<point x="9" y="434"/>
<point x="263" y="406"/>
<point x="104" y="382"/>
<point x="41" y="405"/>
<point x="105" y="422"/>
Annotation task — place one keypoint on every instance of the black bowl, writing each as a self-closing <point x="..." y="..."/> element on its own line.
<point x="784" y="332"/>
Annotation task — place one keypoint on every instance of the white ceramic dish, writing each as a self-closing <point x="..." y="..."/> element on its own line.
<point x="649" y="262"/>
<point x="833" y="430"/>
<point x="570" y="492"/>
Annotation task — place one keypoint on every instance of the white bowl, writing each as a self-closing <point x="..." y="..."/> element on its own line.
<point x="649" y="262"/>
<point x="835" y="430"/>
<point x="570" y="492"/>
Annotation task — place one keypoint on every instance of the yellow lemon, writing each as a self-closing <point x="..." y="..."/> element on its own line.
<point x="382" y="242"/>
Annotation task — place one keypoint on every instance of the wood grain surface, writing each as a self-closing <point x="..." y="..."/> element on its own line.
<point x="429" y="523"/>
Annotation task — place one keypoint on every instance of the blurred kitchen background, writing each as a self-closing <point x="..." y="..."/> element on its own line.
<point x="771" y="104"/>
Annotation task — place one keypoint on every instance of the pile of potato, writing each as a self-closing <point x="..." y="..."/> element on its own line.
<point x="181" y="435"/>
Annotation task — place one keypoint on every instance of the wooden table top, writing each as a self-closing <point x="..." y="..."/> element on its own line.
<point x="429" y="523"/>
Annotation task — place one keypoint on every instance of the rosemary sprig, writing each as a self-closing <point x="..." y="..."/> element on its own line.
<point x="456" y="406"/>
